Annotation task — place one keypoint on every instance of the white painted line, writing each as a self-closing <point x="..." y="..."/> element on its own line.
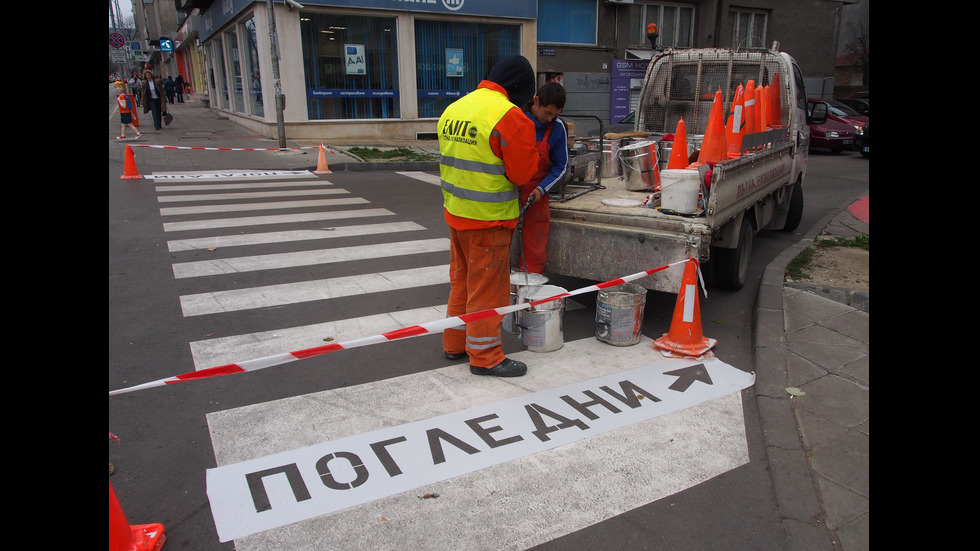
<point x="229" y="175"/>
<point x="249" y="195"/>
<point x="274" y="219"/>
<point x="225" y="241"/>
<point x="424" y="176"/>
<point x="167" y="188"/>
<point x="276" y="261"/>
<point x="207" y="209"/>
<point x="227" y="350"/>
<point x="322" y="289"/>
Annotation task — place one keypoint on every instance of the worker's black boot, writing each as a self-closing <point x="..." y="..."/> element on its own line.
<point x="506" y="368"/>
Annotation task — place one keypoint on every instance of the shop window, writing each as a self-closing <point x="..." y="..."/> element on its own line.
<point x="567" y="21"/>
<point x="453" y="57"/>
<point x="251" y="69"/>
<point x="351" y="66"/>
<point x="235" y="68"/>
<point x="675" y="25"/>
<point x="220" y="86"/>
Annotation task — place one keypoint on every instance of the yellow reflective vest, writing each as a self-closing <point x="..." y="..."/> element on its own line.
<point x="474" y="184"/>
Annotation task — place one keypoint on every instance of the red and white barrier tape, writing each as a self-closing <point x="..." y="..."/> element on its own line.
<point x="223" y="148"/>
<point x="411" y="331"/>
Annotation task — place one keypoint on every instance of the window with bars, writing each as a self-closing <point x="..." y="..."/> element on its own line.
<point x="675" y="23"/>
<point x="748" y="29"/>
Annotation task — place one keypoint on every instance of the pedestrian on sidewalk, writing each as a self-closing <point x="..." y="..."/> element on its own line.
<point x="170" y="87"/>
<point x="487" y="151"/>
<point x="125" y="111"/>
<point x="153" y="98"/>
<point x="179" y="84"/>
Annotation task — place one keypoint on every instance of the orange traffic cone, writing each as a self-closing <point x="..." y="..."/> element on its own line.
<point x="762" y="107"/>
<point x="678" y="151"/>
<point x="775" y="108"/>
<point x="123" y="537"/>
<point x="735" y="128"/>
<point x="321" y="163"/>
<point x="685" y="336"/>
<point x="713" y="147"/>
<point x="129" y="169"/>
<point x="751" y="119"/>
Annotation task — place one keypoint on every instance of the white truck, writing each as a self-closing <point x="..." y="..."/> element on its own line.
<point x="601" y="234"/>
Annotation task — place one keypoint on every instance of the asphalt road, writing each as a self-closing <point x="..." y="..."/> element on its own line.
<point x="161" y="260"/>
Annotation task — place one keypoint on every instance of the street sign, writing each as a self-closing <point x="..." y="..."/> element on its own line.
<point x="166" y="45"/>
<point x="116" y="40"/>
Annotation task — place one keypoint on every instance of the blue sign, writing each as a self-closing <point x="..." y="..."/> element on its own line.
<point x="166" y="45"/>
<point x="116" y="40"/>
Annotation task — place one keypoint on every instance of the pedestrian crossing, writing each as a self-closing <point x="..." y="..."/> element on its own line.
<point x="530" y="496"/>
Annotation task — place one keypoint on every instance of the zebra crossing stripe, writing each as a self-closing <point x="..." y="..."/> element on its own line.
<point x="192" y="225"/>
<point x="238" y="240"/>
<point x="405" y="332"/>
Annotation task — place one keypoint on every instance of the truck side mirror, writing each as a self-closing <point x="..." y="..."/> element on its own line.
<point x="819" y="114"/>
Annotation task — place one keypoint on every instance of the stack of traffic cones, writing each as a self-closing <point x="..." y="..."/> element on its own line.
<point x="321" y="163"/>
<point x="735" y="129"/>
<point x="678" y="151"/>
<point x="685" y="337"/>
<point x="129" y="169"/>
<point x="775" y="108"/>
<point x="123" y="537"/>
<point x="713" y="148"/>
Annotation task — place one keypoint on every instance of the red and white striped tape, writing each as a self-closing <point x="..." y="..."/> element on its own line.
<point x="411" y="331"/>
<point x="223" y="148"/>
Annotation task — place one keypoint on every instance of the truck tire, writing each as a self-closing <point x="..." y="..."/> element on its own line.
<point x="731" y="266"/>
<point x="795" y="213"/>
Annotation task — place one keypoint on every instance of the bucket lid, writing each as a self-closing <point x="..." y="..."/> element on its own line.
<point x="517" y="278"/>
<point x="538" y="292"/>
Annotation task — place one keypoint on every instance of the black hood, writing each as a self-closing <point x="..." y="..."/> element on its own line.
<point x="515" y="75"/>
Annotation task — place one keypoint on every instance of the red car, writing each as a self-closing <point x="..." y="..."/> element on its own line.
<point x="837" y="134"/>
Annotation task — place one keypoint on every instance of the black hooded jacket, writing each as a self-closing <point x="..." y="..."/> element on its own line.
<point x="515" y="75"/>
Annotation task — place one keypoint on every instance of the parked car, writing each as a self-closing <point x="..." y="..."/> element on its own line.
<point x="861" y="105"/>
<point x="837" y="133"/>
<point x="862" y="140"/>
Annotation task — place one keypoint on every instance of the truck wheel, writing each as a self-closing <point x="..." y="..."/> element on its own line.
<point x="795" y="213"/>
<point x="732" y="265"/>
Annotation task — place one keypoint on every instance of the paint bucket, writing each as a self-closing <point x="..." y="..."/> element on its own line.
<point x="638" y="160"/>
<point x="539" y="328"/>
<point x="610" y="159"/>
<point x="679" y="190"/>
<point x="619" y="314"/>
<point x="517" y="281"/>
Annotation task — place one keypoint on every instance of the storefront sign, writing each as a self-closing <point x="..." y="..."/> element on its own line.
<point x="354" y="59"/>
<point x="350" y="93"/>
<point x="626" y="74"/>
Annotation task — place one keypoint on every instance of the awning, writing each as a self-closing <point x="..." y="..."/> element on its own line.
<point x="639" y="54"/>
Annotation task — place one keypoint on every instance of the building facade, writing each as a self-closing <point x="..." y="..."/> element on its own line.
<point x="372" y="69"/>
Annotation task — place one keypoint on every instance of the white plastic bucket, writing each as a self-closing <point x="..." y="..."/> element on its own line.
<point x="679" y="190"/>
<point x="517" y="281"/>
<point x="539" y="328"/>
<point x="619" y="314"/>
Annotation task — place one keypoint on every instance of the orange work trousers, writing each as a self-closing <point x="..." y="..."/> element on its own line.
<point x="534" y="232"/>
<point x="479" y="277"/>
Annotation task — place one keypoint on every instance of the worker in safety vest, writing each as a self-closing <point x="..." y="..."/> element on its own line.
<point x="486" y="147"/>
<point x="551" y="141"/>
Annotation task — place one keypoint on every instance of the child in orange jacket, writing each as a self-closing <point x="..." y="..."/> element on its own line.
<point x="125" y="111"/>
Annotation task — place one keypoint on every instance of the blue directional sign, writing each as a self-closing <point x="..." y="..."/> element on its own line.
<point x="166" y="45"/>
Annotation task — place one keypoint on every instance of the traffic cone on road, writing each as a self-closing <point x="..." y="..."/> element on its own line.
<point x="321" y="163"/>
<point x="123" y="537"/>
<point x="129" y="169"/>
<point x="685" y="337"/>
<point x="678" y="151"/>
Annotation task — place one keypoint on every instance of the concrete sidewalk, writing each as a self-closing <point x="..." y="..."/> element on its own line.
<point x="812" y="358"/>
<point x="811" y="345"/>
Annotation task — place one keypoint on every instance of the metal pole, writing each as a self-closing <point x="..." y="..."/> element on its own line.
<point x="280" y="99"/>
